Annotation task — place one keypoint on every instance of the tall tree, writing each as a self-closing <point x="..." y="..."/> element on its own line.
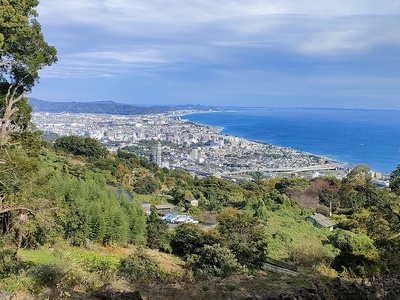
<point x="23" y="52"/>
<point x="157" y="232"/>
<point x="357" y="190"/>
<point x="244" y="236"/>
<point x="23" y="49"/>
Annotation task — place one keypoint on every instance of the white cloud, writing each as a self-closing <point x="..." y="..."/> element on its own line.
<point x="151" y="56"/>
<point x="174" y="11"/>
<point x="233" y="40"/>
<point x="319" y="24"/>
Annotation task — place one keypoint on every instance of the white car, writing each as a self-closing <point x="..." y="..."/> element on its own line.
<point x="178" y="219"/>
<point x="189" y="219"/>
<point x="183" y="219"/>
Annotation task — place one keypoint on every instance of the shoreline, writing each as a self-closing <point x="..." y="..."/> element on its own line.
<point x="328" y="166"/>
<point x="329" y="158"/>
<point x="219" y="129"/>
<point x="224" y="154"/>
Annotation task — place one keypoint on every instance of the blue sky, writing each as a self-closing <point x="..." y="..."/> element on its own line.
<point x="291" y="53"/>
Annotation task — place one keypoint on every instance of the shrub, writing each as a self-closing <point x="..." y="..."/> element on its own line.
<point x="188" y="239"/>
<point x="47" y="275"/>
<point x="213" y="261"/>
<point x="139" y="267"/>
<point x="103" y="267"/>
<point x="8" y="262"/>
<point x="79" y="278"/>
<point x="307" y="253"/>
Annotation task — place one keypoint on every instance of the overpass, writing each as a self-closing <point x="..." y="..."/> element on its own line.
<point x="315" y="168"/>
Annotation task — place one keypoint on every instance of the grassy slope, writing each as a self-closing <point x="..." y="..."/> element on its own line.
<point x="78" y="280"/>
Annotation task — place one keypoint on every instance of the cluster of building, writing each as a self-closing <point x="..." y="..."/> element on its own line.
<point x="179" y="143"/>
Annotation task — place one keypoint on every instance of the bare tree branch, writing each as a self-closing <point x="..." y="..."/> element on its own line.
<point x="21" y="208"/>
<point x="6" y="129"/>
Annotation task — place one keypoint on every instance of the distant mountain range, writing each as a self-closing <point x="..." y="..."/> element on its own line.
<point x="107" y="107"/>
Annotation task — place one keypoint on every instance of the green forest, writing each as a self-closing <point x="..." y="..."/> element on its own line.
<point x="71" y="215"/>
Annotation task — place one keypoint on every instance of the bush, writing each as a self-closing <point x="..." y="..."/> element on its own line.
<point x="77" y="277"/>
<point x="188" y="239"/>
<point x="48" y="275"/>
<point x="213" y="261"/>
<point x="103" y="267"/>
<point x="307" y="253"/>
<point x="139" y="267"/>
<point x="8" y="262"/>
<point x="357" y="253"/>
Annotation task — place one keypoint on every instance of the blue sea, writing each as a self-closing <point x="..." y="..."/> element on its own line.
<point x="369" y="137"/>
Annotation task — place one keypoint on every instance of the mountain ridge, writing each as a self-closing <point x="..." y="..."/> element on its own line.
<point x="106" y="107"/>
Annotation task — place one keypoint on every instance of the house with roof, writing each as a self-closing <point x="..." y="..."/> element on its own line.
<point x="163" y="209"/>
<point x="320" y="220"/>
<point x="192" y="201"/>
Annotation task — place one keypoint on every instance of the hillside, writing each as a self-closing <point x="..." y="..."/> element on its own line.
<point x="68" y="229"/>
<point x="106" y="107"/>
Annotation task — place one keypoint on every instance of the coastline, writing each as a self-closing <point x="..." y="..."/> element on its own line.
<point x="202" y="149"/>
<point x="219" y="130"/>
<point x="329" y="157"/>
<point x="328" y="166"/>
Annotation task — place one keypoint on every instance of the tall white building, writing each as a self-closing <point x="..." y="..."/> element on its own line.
<point x="194" y="154"/>
<point x="159" y="152"/>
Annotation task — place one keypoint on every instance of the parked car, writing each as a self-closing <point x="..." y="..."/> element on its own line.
<point x="169" y="217"/>
<point x="178" y="219"/>
<point x="191" y="220"/>
<point x="183" y="219"/>
<point x="166" y="216"/>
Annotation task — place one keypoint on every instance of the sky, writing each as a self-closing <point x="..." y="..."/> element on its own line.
<point x="271" y="53"/>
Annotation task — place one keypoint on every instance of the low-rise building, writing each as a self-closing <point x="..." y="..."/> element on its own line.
<point x="163" y="209"/>
<point x="192" y="201"/>
<point x="321" y="221"/>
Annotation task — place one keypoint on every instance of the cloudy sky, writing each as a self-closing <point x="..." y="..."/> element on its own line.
<point x="313" y="53"/>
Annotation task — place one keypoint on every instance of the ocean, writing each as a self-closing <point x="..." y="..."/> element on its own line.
<point x="353" y="136"/>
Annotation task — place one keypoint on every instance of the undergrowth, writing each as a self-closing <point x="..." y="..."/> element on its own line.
<point x="78" y="269"/>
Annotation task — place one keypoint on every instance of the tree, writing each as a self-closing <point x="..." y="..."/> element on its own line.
<point x="83" y="146"/>
<point x="257" y="207"/>
<point x="357" y="252"/>
<point x="257" y="177"/>
<point x="213" y="261"/>
<point x="23" y="52"/>
<point x="287" y="184"/>
<point x="188" y="239"/>
<point x="157" y="232"/>
<point x="394" y="182"/>
<point x="147" y="185"/>
<point x="383" y="226"/>
<point x="275" y="200"/>
<point x="244" y="236"/>
<point x="357" y="190"/>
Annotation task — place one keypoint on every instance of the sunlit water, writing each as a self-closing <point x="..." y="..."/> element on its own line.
<point x="353" y="136"/>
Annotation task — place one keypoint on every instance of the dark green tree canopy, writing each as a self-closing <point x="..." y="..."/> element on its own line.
<point x="23" y="50"/>
<point x="78" y="145"/>
<point x="395" y="181"/>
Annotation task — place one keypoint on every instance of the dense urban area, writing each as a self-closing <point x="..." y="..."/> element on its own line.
<point x="173" y="142"/>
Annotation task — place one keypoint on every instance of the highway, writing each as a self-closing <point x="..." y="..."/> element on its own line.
<point x="288" y="169"/>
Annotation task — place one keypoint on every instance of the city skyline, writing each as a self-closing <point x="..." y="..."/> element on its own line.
<point x="225" y="53"/>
